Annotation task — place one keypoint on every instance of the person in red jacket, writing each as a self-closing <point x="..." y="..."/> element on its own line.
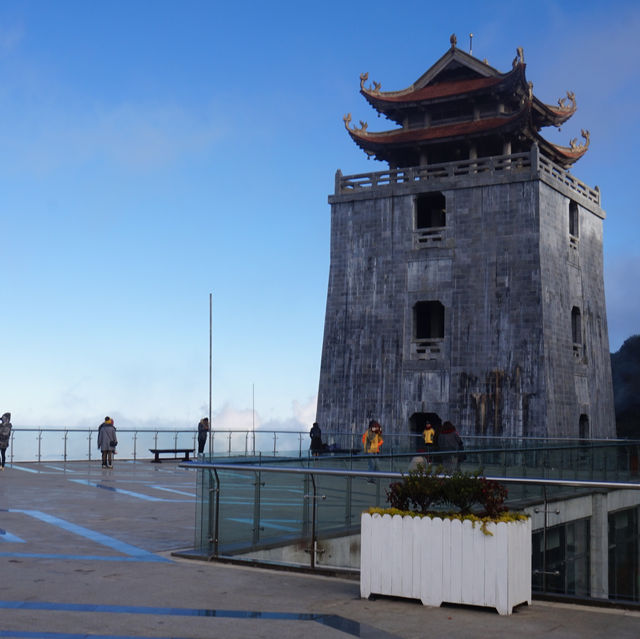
<point x="450" y="442"/>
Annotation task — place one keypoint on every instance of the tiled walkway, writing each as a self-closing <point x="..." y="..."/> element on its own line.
<point x="86" y="552"/>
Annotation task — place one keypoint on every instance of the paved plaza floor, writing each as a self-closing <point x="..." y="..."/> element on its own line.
<point x="87" y="552"/>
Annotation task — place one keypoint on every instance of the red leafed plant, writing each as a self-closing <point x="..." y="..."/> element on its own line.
<point x="424" y="491"/>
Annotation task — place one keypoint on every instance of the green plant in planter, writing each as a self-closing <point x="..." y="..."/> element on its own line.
<point x="424" y="490"/>
<point x="416" y="492"/>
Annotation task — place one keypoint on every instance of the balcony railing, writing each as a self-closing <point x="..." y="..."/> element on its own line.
<point x="532" y="162"/>
<point x="427" y="348"/>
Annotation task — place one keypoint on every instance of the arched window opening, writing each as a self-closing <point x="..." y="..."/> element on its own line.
<point x="431" y="210"/>
<point x="574" y="219"/>
<point x="430" y="219"/>
<point x="576" y="331"/>
<point x="428" y="320"/>
<point x="574" y="225"/>
<point x="428" y="329"/>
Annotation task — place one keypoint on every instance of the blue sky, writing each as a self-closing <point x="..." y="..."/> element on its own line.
<point x="152" y="153"/>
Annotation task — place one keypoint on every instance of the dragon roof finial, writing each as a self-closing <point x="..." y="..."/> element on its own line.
<point x="579" y="147"/>
<point x="562" y="102"/>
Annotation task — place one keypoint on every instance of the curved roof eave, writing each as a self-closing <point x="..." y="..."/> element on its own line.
<point x="385" y="102"/>
<point x="556" y="115"/>
<point x="435" y="133"/>
<point x="565" y="155"/>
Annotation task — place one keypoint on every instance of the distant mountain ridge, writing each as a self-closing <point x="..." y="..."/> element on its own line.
<point x="625" y="370"/>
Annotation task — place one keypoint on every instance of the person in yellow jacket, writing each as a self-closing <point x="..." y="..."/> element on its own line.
<point x="371" y="443"/>
<point x="429" y="434"/>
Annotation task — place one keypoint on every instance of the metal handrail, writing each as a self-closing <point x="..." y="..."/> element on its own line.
<point x="395" y="475"/>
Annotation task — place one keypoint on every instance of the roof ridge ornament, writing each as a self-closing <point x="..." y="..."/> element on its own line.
<point x="347" y="121"/>
<point x="571" y="96"/>
<point x="519" y="59"/>
<point x="573" y="144"/>
<point x="453" y="40"/>
<point x="375" y="90"/>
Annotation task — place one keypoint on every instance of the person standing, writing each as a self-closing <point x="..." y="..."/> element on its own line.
<point x="450" y="443"/>
<point x="5" y="436"/>
<point x="371" y="443"/>
<point x="428" y="435"/>
<point x="107" y="441"/>
<point x="203" y="430"/>
<point x="316" y="439"/>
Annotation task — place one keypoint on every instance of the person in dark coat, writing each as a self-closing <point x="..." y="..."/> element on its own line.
<point x="107" y="441"/>
<point x="316" y="439"/>
<point x="203" y="431"/>
<point x="5" y="436"/>
<point x="448" y="441"/>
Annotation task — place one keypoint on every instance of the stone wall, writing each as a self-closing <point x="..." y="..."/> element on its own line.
<point x="508" y="277"/>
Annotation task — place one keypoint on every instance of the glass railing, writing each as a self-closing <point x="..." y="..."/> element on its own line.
<point x="307" y="514"/>
<point x="557" y="457"/>
<point x="67" y="444"/>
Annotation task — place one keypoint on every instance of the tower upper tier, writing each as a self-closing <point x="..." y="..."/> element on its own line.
<point x="462" y="107"/>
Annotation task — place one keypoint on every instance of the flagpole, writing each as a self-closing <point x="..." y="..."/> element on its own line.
<point x="210" y="370"/>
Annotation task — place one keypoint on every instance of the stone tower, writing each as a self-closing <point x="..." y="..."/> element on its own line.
<point x="466" y="281"/>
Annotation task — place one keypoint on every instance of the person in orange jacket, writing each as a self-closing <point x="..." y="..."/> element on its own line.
<point x="372" y="438"/>
<point x="371" y="442"/>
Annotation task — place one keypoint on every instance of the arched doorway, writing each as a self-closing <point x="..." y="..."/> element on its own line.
<point x="583" y="426"/>
<point x="417" y="422"/>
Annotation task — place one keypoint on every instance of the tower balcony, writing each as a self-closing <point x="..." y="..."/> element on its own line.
<point x="513" y="166"/>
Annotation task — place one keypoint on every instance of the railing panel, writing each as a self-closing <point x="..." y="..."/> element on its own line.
<point x="311" y="516"/>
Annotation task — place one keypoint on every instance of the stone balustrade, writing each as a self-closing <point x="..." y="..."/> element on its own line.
<point x="531" y="163"/>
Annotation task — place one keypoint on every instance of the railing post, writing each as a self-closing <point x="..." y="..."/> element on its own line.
<point x="535" y="169"/>
<point x="39" y="444"/>
<point x="213" y="527"/>
<point x="155" y="440"/>
<point x="135" y="444"/>
<point x="275" y="438"/>
<point x="66" y="434"/>
<point x="256" y="508"/>
<point x="305" y="505"/>
<point x="347" y="508"/>
<point x="229" y="448"/>
<point x="90" y="433"/>
<point x="313" y="522"/>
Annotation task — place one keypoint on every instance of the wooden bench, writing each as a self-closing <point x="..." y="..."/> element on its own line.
<point x="185" y="452"/>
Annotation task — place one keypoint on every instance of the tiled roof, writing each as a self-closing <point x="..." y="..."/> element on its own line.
<point x="445" y="131"/>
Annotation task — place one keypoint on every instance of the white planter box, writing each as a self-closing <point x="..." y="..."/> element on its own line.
<point x="438" y="560"/>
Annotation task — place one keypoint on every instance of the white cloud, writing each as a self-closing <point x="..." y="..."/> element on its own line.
<point x="306" y="413"/>
<point x="230" y="418"/>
